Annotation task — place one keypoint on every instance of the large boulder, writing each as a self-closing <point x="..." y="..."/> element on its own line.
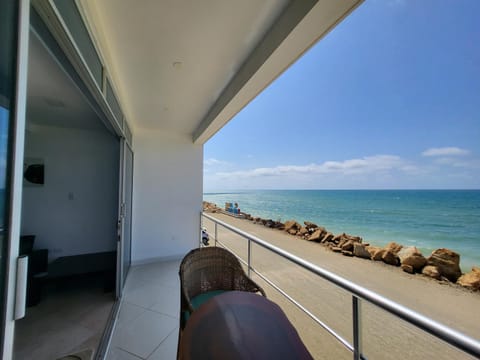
<point x="348" y="246"/>
<point x="431" y="271"/>
<point x="340" y="241"/>
<point x="346" y="237"/>
<point x="353" y="238"/>
<point x="390" y="258"/>
<point x="393" y="247"/>
<point x="372" y="250"/>
<point x="279" y="225"/>
<point x="447" y="262"/>
<point x="210" y="207"/>
<point x="317" y="235"/>
<point x="359" y="250"/>
<point x="407" y="268"/>
<point x="327" y="237"/>
<point x="303" y="231"/>
<point x="336" y="239"/>
<point x="471" y="279"/>
<point x="269" y="223"/>
<point x="407" y="251"/>
<point x="411" y="256"/>
<point x="292" y="224"/>
<point x="378" y="254"/>
<point x="309" y="225"/>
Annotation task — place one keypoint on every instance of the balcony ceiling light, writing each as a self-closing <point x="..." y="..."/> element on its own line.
<point x="177" y="65"/>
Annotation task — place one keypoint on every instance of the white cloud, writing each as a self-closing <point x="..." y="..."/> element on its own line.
<point x="365" y="165"/>
<point x="445" y="151"/>
<point x="213" y="161"/>
<point x="369" y="172"/>
<point x="456" y="162"/>
<point x="392" y="3"/>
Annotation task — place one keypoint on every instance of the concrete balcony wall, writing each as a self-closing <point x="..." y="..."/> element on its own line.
<point x="167" y="195"/>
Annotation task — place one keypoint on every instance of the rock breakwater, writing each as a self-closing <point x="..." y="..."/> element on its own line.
<point x="442" y="265"/>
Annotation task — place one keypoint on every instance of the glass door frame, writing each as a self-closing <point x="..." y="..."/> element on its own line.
<point x="15" y="177"/>
<point x="124" y="232"/>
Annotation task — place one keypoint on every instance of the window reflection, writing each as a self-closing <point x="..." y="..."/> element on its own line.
<point x="4" y="113"/>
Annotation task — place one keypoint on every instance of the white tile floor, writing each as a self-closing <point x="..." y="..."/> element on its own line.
<point x="147" y="325"/>
<point x="70" y="318"/>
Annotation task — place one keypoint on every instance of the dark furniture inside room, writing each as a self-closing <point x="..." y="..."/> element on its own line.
<point x="37" y="268"/>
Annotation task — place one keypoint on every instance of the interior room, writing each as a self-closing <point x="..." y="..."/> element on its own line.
<point x="69" y="212"/>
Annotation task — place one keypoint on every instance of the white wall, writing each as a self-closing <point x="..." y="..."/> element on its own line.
<point x="75" y="211"/>
<point x="167" y="196"/>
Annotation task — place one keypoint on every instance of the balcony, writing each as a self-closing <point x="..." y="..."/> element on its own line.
<point x="335" y="318"/>
<point x="147" y="324"/>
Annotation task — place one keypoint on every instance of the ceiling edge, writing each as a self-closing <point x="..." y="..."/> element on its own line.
<point x="88" y="10"/>
<point x="275" y="53"/>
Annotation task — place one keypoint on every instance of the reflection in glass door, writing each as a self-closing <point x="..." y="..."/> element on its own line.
<point x="127" y="212"/>
<point x="4" y="202"/>
<point x="8" y="42"/>
<point x="14" y="22"/>
<point x="124" y="245"/>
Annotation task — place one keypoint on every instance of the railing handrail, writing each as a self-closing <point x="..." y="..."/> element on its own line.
<point x="445" y="333"/>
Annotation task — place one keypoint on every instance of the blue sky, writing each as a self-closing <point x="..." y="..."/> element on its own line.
<point x="390" y="99"/>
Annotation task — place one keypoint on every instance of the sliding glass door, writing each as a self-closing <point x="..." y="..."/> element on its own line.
<point x="124" y="246"/>
<point x="8" y="42"/>
<point x="13" y="60"/>
<point x="127" y="220"/>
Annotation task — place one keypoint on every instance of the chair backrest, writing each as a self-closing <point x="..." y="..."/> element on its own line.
<point x="208" y="269"/>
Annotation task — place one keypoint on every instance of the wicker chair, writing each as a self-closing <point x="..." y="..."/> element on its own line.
<point x="210" y="269"/>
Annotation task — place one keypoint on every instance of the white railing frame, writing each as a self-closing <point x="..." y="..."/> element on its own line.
<point x="455" y="338"/>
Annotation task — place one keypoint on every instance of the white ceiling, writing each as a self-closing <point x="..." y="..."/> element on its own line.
<point x="52" y="97"/>
<point x="209" y="40"/>
<point x="181" y="65"/>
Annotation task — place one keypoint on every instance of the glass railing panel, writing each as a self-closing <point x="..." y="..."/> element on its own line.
<point x="75" y="25"/>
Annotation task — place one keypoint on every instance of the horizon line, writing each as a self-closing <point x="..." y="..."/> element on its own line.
<point x="347" y="189"/>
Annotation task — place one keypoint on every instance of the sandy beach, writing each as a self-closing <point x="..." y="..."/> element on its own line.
<point x="384" y="336"/>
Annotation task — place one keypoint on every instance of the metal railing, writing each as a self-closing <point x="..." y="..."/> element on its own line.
<point x="440" y="331"/>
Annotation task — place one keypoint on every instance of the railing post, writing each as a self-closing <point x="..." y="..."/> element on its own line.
<point x="357" y="331"/>
<point x="216" y="233"/>
<point x="200" y="242"/>
<point x="249" y="256"/>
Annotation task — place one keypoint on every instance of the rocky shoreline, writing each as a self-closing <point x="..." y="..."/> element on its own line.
<point x="443" y="264"/>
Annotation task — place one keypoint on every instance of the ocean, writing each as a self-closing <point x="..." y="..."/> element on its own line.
<point x="427" y="219"/>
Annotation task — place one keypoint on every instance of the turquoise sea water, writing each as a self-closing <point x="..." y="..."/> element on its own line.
<point x="427" y="219"/>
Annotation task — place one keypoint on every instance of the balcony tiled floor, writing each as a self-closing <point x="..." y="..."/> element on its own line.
<point x="147" y="326"/>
